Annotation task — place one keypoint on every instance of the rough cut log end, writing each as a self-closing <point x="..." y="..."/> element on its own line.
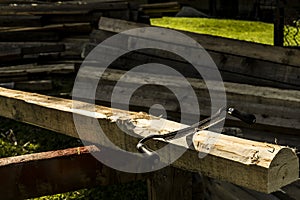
<point x="283" y="170"/>
<point x="259" y="166"/>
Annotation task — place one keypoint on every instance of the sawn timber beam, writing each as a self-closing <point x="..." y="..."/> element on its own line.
<point x="259" y="166"/>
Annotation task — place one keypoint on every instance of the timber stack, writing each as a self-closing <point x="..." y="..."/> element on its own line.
<point x="42" y="46"/>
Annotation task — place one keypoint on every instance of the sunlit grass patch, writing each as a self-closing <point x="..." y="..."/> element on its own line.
<point x="258" y="32"/>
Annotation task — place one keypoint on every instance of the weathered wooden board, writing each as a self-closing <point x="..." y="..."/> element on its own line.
<point x="276" y="108"/>
<point x="29" y="36"/>
<point x="160" y="9"/>
<point x="61" y="8"/>
<point x="10" y="54"/>
<point x="232" y="68"/>
<point x="68" y="47"/>
<point x="24" y="72"/>
<point x="36" y="85"/>
<point x="53" y="172"/>
<point x="219" y="44"/>
<point x="259" y="166"/>
<point x="20" y="20"/>
<point x="171" y="184"/>
<point x="83" y="27"/>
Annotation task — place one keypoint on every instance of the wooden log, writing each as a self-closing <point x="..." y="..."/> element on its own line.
<point x="199" y="139"/>
<point x="219" y="44"/>
<point x="53" y="172"/>
<point x="260" y="166"/>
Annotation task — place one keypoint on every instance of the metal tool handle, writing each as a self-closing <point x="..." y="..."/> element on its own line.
<point x="245" y="117"/>
<point x="152" y="155"/>
<point x="204" y="124"/>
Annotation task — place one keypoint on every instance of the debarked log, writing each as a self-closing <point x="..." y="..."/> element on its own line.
<point x="259" y="166"/>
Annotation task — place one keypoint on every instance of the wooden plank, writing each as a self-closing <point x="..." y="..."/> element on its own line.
<point x="74" y="47"/>
<point x="64" y="28"/>
<point x="44" y="33"/>
<point x="20" y="20"/>
<point x="36" y="85"/>
<point x="223" y="190"/>
<point x="160" y="5"/>
<point x="260" y="166"/>
<point x="292" y="190"/>
<point x="43" y="48"/>
<point x="62" y="8"/>
<point x="71" y="46"/>
<point x="232" y="68"/>
<point x="219" y="44"/>
<point x="10" y="55"/>
<point x="53" y="172"/>
<point x="159" y="8"/>
<point x="272" y="107"/>
<point x="29" y="36"/>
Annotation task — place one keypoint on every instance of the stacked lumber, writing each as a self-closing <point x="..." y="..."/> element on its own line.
<point x="63" y="26"/>
<point x="160" y="9"/>
<point x="259" y="79"/>
<point x="35" y="33"/>
<point x="276" y="110"/>
<point x="34" y="77"/>
<point x="40" y="41"/>
<point x="237" y="61"/>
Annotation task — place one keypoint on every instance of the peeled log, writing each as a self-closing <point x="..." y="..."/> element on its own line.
<point x="275" y="166"/>
<point x="259" y="166"/>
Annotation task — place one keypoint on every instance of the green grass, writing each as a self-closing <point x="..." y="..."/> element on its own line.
<point x="258" y="32"/>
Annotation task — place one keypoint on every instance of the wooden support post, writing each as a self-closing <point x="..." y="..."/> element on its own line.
<point x="279" y="24"/>
<point x="259" y="166"/>
<point x="170" y="184"/>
